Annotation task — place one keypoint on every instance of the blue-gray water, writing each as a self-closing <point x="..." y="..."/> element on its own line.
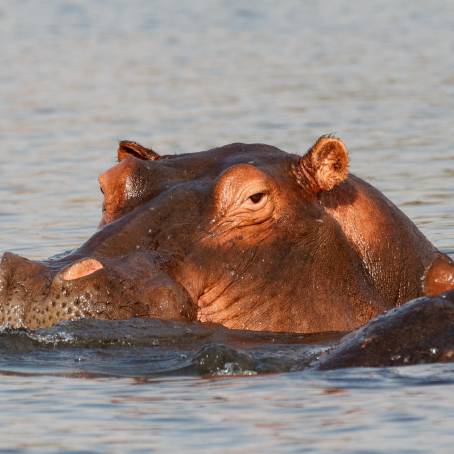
<point x="77" y="76"/>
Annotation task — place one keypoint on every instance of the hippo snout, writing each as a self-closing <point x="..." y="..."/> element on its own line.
<point x="34" y="294"/>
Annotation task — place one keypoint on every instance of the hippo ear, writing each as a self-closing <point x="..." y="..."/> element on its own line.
<point x="128" y="148"/>
<point x="324" y="166"/>
<point x="439" y="276"/>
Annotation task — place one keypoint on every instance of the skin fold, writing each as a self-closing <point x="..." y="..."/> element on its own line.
<point x="244" y="235"/>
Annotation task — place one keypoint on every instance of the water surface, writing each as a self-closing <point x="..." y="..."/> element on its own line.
<point x="77" y="76"/>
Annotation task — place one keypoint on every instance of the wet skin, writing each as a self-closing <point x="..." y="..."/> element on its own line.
<point x="420" y="331"/>
<point x="247" y="236"/>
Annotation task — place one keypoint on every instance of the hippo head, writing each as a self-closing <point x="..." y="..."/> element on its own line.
<point x="248" y="236"/>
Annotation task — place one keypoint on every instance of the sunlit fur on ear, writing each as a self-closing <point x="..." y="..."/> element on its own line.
<point x="325" y="165"/>
<point x="129" y="148"/>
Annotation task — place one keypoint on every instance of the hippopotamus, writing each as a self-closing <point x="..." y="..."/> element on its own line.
<point x="420" y="331"/>
<point x="243" y="235"/>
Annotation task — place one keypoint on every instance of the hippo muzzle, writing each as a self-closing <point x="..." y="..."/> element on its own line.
<point x="33" y="294"/>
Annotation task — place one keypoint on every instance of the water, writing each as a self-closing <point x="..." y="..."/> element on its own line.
<point x="77" y="76"/>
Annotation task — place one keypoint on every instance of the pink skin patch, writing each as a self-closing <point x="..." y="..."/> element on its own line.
<point x="80" y="269"/>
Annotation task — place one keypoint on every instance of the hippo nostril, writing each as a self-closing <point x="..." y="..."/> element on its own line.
<point x="80" y="269"/>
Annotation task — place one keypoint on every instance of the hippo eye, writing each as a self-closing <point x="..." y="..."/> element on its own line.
<point x="256" y="198"/>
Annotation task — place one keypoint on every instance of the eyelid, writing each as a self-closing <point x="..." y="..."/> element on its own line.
<point x="257" y="197"/>
<point x="251" y="190"/>
<point x="265" y="192"/>
<point x="257" y="205"/>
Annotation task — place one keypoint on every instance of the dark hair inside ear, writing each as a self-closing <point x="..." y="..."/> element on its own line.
<point x="129" y="148"/>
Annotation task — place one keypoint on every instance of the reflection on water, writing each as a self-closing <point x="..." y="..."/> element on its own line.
<point x="402" y="410"/>
<point x="77" y="76"/>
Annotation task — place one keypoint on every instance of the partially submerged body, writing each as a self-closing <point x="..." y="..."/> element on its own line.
<point x="247" y="236"/>
<point x="420" y="331"/>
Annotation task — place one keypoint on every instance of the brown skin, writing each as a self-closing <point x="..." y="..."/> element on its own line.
<point x="243" y="235"/>
<point x="421" y="331"/>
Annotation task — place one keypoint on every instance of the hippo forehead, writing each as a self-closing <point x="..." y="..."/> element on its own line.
<point x="135" y="181"/>
<point x="212" y="162"/>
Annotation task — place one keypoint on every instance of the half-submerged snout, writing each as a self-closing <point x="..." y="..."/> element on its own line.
<point x="34" y="295"/>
